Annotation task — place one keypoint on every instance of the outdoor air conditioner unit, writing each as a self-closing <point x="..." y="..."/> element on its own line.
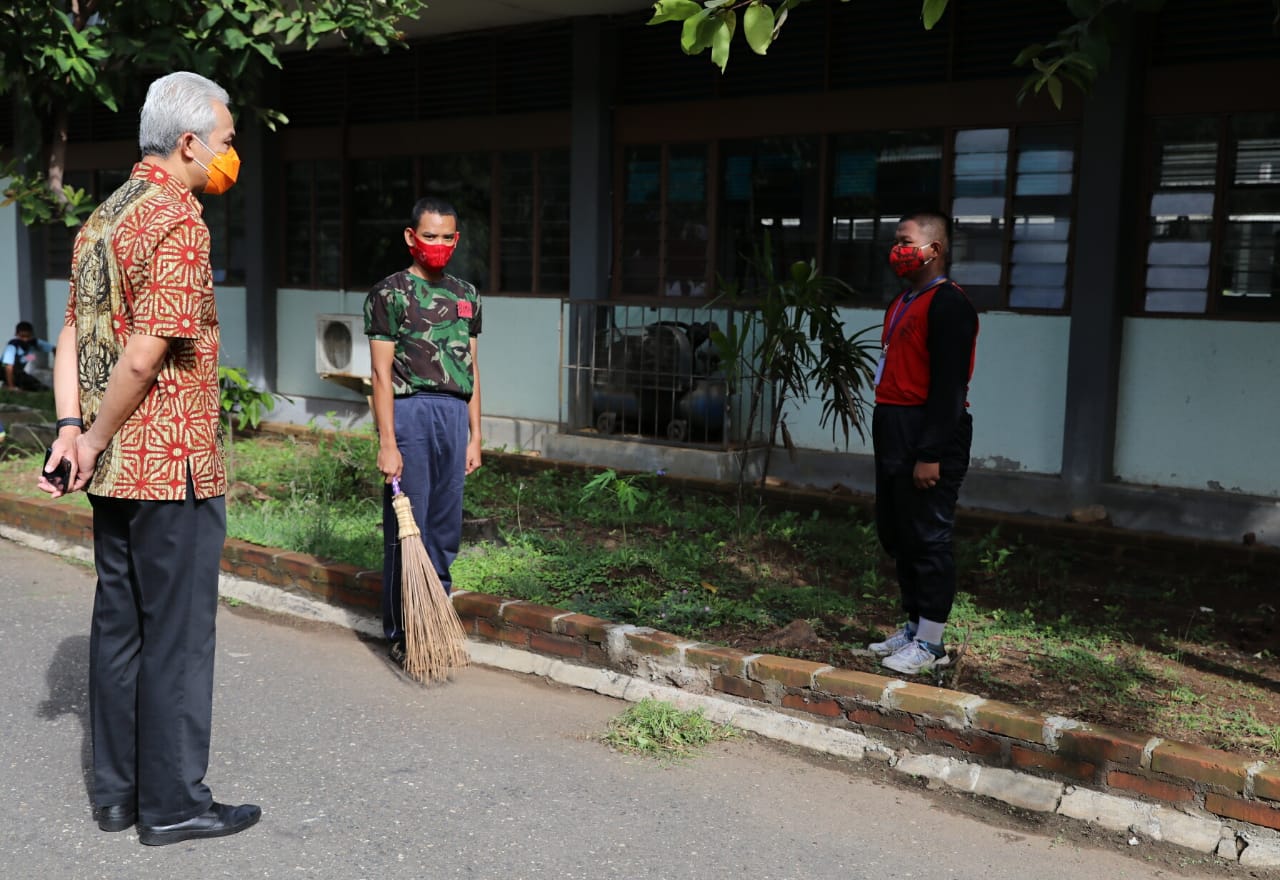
<point x="341" y="346"/>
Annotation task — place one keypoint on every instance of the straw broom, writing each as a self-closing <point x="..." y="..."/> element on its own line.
<point x="435" y="642"/>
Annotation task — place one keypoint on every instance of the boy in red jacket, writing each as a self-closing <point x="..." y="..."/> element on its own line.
<point x="921" y="431"/>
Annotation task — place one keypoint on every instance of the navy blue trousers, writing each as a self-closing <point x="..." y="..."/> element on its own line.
<point x="431" y="433"/>
<point x="151" y="652"/>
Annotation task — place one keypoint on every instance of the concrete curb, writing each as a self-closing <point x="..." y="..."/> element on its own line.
<point x="632" y="663"/>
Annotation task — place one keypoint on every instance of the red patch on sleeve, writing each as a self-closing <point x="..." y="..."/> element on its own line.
<point x="464" y="309"/>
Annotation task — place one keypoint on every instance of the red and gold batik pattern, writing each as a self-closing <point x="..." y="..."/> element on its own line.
<point x="141" y="265"/>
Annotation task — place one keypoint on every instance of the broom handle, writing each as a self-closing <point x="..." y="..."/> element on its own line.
<point x="406" y="526"/>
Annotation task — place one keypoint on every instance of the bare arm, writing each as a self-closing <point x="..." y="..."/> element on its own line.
<point x="473" y="411"/>
<point x="66" y="398"/>
<point x="382" y="353"/>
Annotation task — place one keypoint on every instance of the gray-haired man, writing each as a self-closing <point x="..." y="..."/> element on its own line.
<point x="138" y="429"/>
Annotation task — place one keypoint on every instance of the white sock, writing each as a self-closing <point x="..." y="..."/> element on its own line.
<point x="930" y="631"/>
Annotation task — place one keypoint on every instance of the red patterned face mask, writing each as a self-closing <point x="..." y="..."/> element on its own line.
<point x="433" y="257"/>
<point x="906" y="260"/>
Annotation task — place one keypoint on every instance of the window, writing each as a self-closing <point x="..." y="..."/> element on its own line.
<point x="770" y="186"/>
<point x="1249" y="259"/>
<point x="553" y="222"/>
<point x="533" y="211"/>
<point x="313" y="224"/>
<point x="224" y="215"/>
<point x="463" y="180"/>
<point x="1012" y="203"/>
<point x="665" y="247"/>
<point x="60" y="239"/>
<point x="515" y="208"/>
<point x="382" y="195"/>
<point x="876" y="179"/>
<point x="1213" y="220"/>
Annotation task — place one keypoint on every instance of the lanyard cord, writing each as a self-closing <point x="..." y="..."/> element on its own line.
<point x="904" y="302"/>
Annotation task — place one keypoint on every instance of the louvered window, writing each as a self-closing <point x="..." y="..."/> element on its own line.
<point x="534" y="70"/>
<point x="456" y="77"/>
<point x="796" y="62"/>
<point x="989" y="34"/>
<point x="379" y="87"/>
<point x="652" y="69"/>
<point x="1012" y="204"/>
<point x="1191" y="31"/>
<point x="313" y="89"/>
<point x="884" y="44"/>
<point x="1214" y="215"/>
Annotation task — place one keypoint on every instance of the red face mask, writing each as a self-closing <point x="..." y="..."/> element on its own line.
<point x="433" y="257"/>
<point x="906" y="260"/>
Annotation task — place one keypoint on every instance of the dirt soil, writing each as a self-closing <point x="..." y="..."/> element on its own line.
<point x="1196" y="658"/>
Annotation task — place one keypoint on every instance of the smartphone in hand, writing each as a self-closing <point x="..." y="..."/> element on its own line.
<point x="60" y="475"/>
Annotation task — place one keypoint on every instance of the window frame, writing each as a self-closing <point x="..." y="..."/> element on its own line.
<point x="1216" y="308"/>
<point x="825" y="148"/>
<point x="535" y="133"/>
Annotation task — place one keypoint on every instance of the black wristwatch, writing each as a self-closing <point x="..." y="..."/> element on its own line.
<point x="70" y="423"/>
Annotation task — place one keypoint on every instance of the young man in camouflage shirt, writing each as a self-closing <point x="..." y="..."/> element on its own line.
<point x="422" y="326"/>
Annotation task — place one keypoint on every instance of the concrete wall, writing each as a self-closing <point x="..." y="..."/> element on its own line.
<point x="1017" y="396"/>
<point x="9" y="311"/>
<point x="231" y="316"/>
<point x="1197" y="405"/>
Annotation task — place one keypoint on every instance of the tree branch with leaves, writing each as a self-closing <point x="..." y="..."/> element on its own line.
<point x="1075" y="55"/>
<point x="58" y="57"/>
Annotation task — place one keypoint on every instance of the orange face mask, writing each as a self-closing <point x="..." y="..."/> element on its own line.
<point x="222" y="171"/>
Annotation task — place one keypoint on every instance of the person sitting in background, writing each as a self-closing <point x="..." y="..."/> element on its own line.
<point x="19" y="358"/>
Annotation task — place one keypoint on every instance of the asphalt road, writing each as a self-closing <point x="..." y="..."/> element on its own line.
<point x="493" y="776"/>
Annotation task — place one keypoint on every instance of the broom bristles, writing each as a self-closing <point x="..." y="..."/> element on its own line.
<point x="435" y="642"/>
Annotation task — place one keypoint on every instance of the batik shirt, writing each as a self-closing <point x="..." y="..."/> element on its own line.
<point x="141" y="265"/>
<point x="432" y="324"/>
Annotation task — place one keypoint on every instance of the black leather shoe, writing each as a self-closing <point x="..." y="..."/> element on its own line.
<point x="117" y="817"/>
<point x="217" y="821"/>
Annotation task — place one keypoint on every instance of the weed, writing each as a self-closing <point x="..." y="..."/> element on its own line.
<point x="660" y="730"/>
<point x="626" y="492"/>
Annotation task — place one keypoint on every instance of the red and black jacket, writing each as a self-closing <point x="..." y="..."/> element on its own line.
<point x="930" y="344"/>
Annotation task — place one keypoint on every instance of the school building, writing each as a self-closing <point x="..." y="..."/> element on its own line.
<point x="1124" y="251"/>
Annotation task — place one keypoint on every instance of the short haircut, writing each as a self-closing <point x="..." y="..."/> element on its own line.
<point x="24" y="327"/>
<point x="431" y="205"/>
<point x="176" y="104"/>
<point x="935" y="224"/>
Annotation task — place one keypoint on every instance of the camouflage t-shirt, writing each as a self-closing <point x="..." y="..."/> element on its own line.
<point x="431" y="324"/>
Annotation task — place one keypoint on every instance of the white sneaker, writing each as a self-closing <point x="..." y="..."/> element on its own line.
<point x="896" y="642"/>
<point x="914" y="658"/>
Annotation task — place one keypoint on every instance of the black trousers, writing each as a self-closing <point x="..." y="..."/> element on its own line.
<point x="151" y="652"/>
<point x="915" y="525"/>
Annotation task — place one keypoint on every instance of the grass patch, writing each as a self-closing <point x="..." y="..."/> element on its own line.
<point x="659" y="730"/>
<point x="1170" y="645"/>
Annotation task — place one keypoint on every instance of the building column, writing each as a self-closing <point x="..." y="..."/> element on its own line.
<point x="262" y="222"/>
<point x="590" y="204"/>
<point x="1109" y="193"/>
